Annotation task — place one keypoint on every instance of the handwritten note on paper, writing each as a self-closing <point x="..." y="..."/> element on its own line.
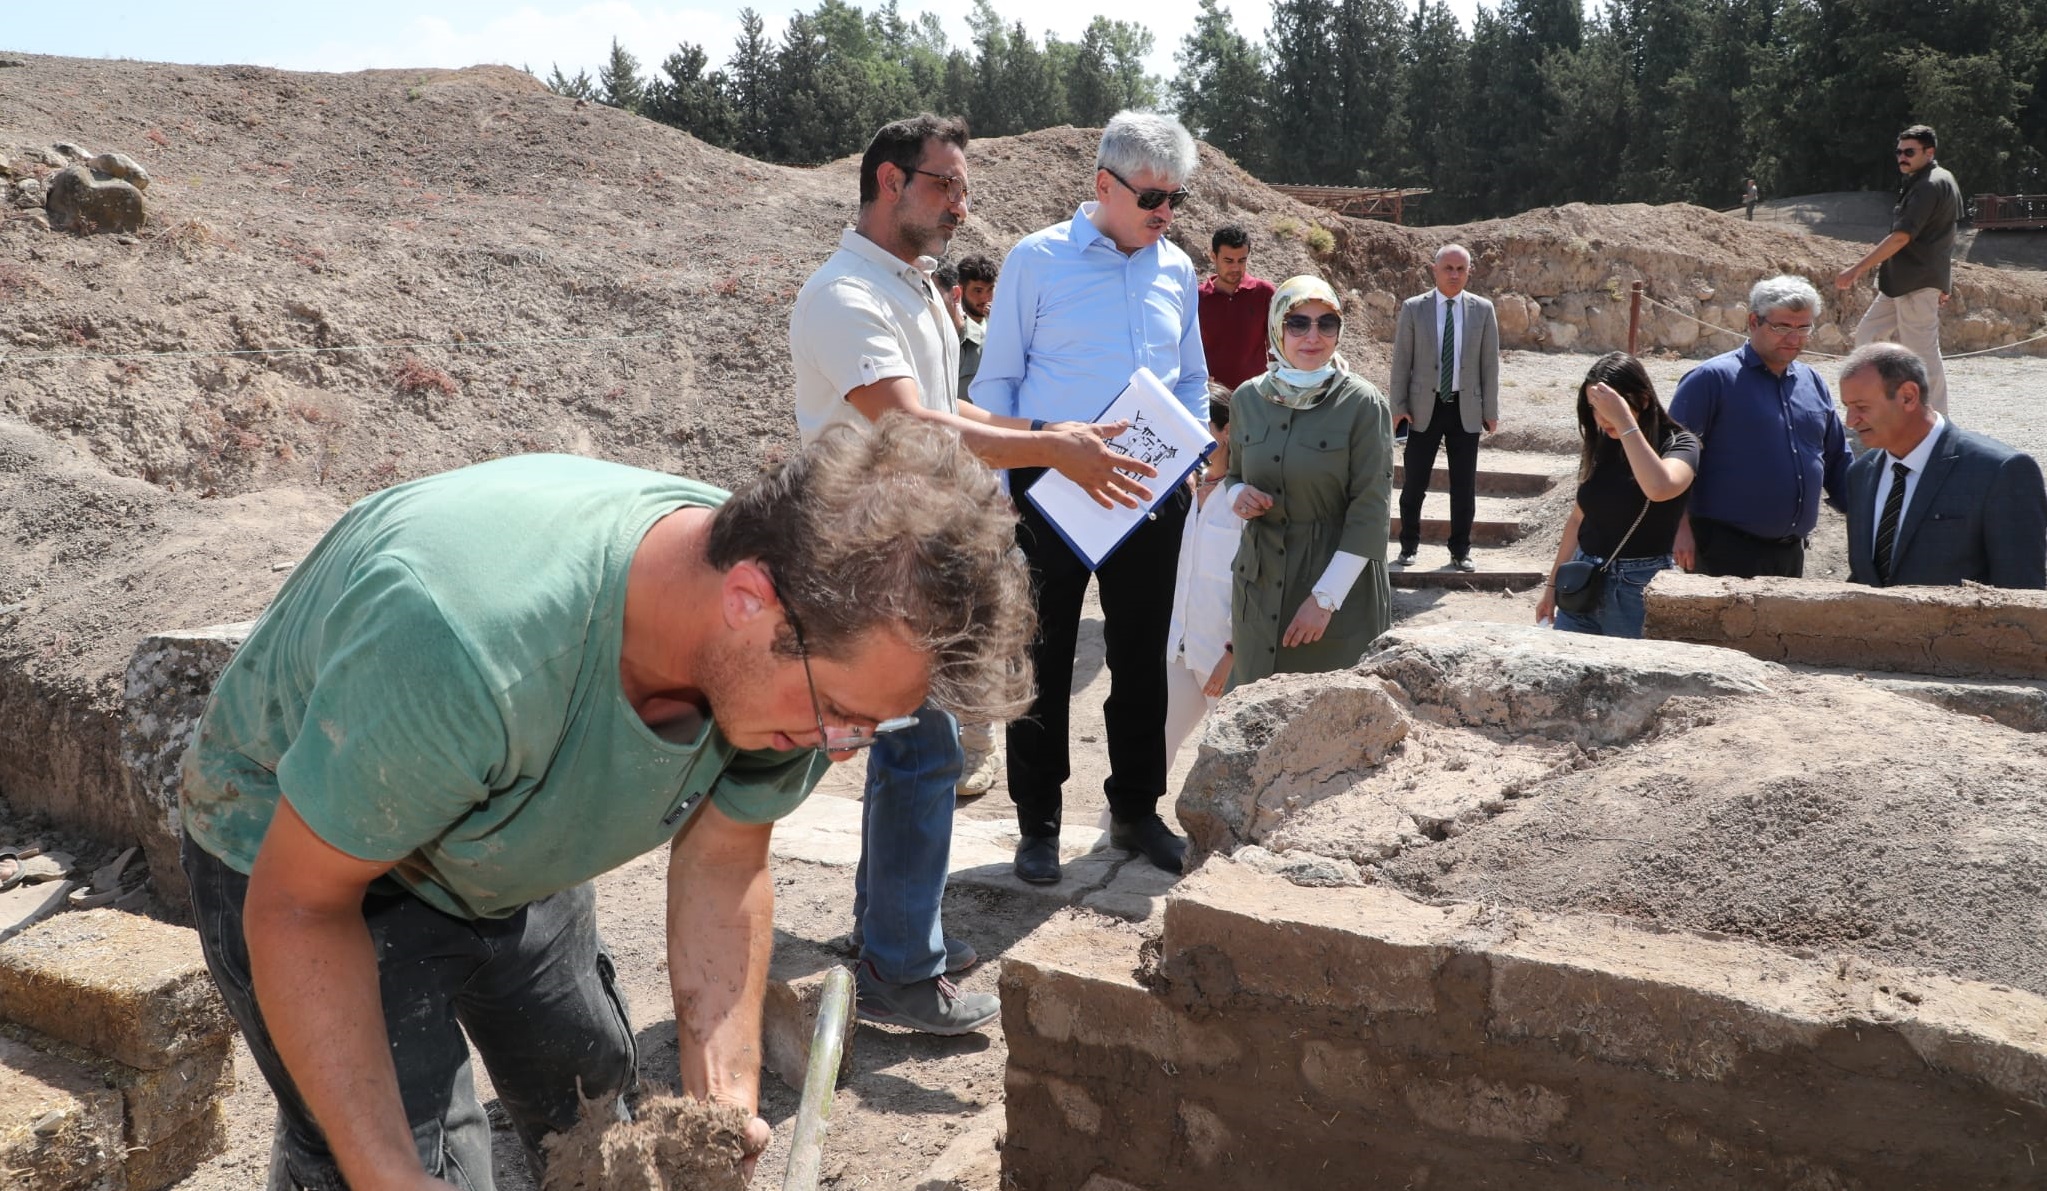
<point x="1162" y="433"/>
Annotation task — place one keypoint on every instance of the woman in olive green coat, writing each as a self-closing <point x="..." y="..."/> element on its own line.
<point x="1312" y="461"/>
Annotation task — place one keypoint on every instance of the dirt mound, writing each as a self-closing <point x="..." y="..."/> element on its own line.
<point x="671" y="1144"/>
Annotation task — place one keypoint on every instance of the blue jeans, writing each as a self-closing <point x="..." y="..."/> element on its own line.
<point x="906" y="846"/>
<point x="535" y="992"/>
<point x="1620" y="612"/>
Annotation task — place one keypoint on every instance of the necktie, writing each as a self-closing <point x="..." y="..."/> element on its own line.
<point x="1449" y="369"/>
<point x="1887" y="527"/>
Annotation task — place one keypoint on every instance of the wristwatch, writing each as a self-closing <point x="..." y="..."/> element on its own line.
<point x="1325" y="601"/>
<point x="1037" y="423"/>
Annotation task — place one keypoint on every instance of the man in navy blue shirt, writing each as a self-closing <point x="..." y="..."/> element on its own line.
<point x="1773" y="443"/>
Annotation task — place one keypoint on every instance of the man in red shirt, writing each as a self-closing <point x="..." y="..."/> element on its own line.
<point x="1234" y="306"/>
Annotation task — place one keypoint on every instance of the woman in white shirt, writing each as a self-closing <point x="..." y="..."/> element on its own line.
<point x="1198" y="645"/>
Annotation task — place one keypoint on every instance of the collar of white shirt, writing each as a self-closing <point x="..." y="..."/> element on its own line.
<point x="1917" y="458"/>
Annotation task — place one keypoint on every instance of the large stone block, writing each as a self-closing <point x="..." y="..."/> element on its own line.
<point x="164" y="693"/>
<point x="1278" y="745"/>
<point x="60" y="1128"/>
<point x="1591" y="691"/>
<point x="127" y="987"/>
<point x="81" y="200"/>
<point x="1967" y="631"/>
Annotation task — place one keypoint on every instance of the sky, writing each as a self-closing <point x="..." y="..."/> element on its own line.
<point x="575" y="34"/>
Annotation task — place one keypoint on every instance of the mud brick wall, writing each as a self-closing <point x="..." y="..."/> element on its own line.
<point x="115" y="1053"/>
<point x="1283" y="1037"/>
<point x="1969" y="631"/>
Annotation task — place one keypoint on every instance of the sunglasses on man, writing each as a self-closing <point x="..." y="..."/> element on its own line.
<point x="1297" y="324"/>
<point x="1149" y="200"/>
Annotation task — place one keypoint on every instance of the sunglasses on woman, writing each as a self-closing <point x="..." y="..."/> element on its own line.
<point x="1298" y="324"/>
<point x="1149" y="200"/>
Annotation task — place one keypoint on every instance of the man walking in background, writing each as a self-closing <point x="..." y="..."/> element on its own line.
<point x="1749" y="197"/>
<point x="1084" y="304"/>
<point x="870" y="336"/>
<point x="1234" y="307"/>
<point x="1446" y="388"/>
<point x="1770" y="439"/>
<point x="1915" y="263"/>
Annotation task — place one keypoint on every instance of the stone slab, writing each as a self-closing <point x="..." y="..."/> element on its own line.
<point x="164" y="693"/>
<point x="127" y="987"/>
<point x="60" y="1127"/>
<point x="2020" y="705"/>
<point x="1967" y="631"/>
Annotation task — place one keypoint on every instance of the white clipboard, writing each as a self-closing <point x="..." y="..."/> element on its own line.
<point x="1162" y="433"/>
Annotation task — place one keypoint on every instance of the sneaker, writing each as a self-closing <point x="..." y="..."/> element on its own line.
<point x="934" y="1006"/>
<point x="979" y="775"/>
<point x="1463" y="563"/>
<point x="1406" y="559"/>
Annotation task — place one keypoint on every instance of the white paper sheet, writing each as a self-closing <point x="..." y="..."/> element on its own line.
<point x="1162" y="433"/>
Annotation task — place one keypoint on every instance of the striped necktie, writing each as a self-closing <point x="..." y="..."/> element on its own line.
<point x="1887" y="526"/>
<point x="1449" y="369"/>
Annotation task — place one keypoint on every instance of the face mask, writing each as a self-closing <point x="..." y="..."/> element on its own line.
<point x="1304" y="377"/>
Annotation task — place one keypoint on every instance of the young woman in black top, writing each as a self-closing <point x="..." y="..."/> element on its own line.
<point x="1637" y="463"/>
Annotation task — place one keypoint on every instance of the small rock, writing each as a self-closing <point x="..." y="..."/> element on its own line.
<point x="6" y="169"/>
<point x="82" y="202"/>
<point x="126" y="240"/>
<point x="69" y="151"/>
<point x="122" y="166"/>
<point x="28" y="192"/>
<point x="51" y="1123"/>
<point x="38" y="218"/>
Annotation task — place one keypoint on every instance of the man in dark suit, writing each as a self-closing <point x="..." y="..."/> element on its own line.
<point x="1446" y="382"/>
<point x="1929" y="503"/>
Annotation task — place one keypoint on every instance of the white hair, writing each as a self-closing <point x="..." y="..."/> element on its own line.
<point x="1136" y="143"/>
<point x="1783" y="293"/>
<point x="1447" y="249"/>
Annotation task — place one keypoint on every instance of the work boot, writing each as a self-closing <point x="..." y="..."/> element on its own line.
<point x="934" y="1006"/>
<point x="1151" y="836"/>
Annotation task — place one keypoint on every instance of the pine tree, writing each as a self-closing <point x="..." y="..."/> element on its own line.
<point x="1220" y="88"/>
<point x="751" y="90"/>
<point x="684" y="97"/>
<point x="579" y="87"/>
<point x="620" y="79"/>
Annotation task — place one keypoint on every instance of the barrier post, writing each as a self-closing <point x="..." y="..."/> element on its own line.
<point x="1634" y="315"/>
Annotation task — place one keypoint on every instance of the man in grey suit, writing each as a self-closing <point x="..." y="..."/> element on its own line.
<point x="1446" y="387"/>
<point x="1929" y="503"/>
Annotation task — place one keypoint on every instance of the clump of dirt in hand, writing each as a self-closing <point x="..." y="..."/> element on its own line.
<point x="673" y="1143"/>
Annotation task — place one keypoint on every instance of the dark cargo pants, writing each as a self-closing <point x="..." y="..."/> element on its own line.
<point x="536" y="993"/>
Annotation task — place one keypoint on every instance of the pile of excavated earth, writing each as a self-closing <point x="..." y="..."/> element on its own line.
<point x="343" y="281"/>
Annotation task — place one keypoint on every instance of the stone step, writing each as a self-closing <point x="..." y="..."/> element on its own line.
<point x="1497" y="523"/>
<point x="1500" y="473"/>
<point x="1518" y="578"/>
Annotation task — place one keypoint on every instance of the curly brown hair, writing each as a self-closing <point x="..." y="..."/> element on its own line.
<point x="895" y="526"/>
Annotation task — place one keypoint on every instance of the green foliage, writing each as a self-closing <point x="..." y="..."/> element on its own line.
<point x="1539" y="102"/>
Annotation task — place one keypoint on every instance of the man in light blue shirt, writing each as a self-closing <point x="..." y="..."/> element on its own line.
<point x="1082" y="305"/>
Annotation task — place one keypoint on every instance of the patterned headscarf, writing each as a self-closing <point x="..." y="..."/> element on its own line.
<point x="1291" y="293"/>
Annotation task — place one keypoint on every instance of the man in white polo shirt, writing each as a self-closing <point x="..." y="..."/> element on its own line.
<point x="869" y="337"/>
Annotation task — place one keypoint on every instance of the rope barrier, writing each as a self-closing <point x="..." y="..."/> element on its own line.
<point x="1829" y="355"/>
<point x="6" y="358"/>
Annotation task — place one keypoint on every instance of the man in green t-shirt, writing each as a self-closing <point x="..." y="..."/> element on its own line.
<point x="484" y="688"/>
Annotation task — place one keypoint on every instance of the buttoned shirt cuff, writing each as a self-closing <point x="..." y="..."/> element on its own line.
<point x="1338" y="577"/>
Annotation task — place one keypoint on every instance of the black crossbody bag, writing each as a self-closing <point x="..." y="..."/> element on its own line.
<point x="1580" y="585"/>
